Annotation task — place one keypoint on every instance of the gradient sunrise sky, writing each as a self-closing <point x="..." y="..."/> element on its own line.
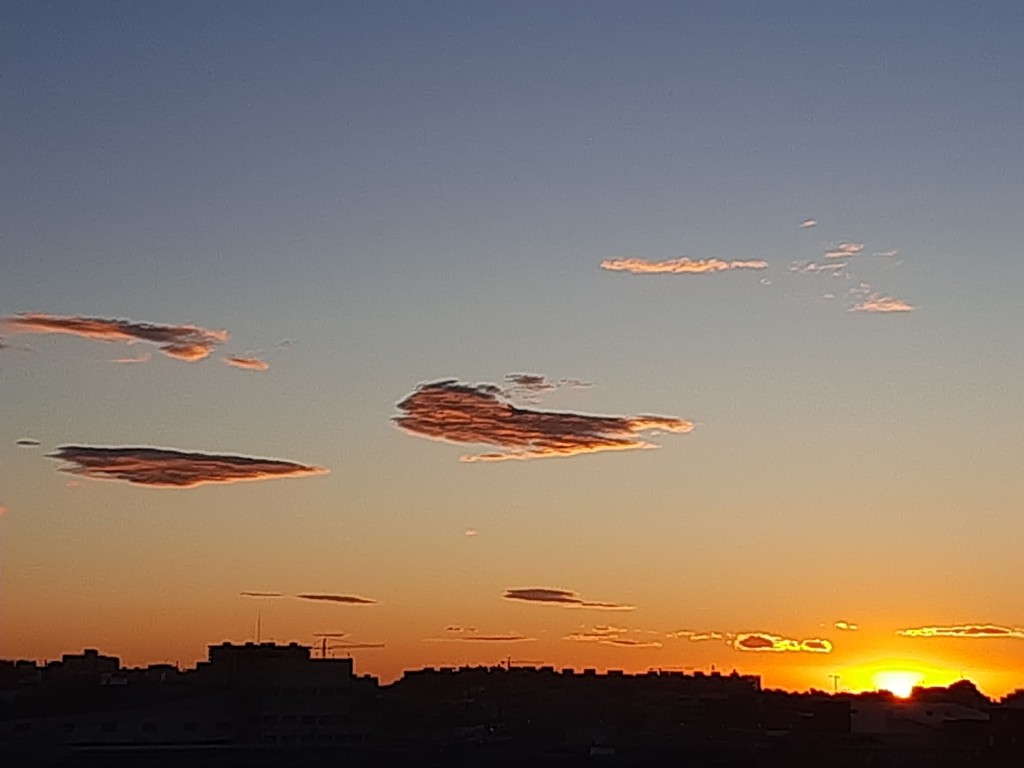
<point x="719" y="303"/>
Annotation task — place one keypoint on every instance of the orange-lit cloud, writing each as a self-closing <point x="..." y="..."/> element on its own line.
<point x="807" y="223"/>
<point x="563" y="597"/>
<point x="145" y="357"/>
<point x="964" y="630"/>
<point x="471" y="532"/>
<point x="248" y="363"/>
<point x="761" y="641"/>
<point x="261" y="594"/>
<point x="167" y="468"/>
<point x="473" y="638"/>
<point x="846" y="626"/>
<point x="683" y="266"/>
<point x="609" y="635"/>
<point x="184" y="342"/>
<point x="876" y="302"/>
<point x="352" y="645"/>
<point x="698" y="637"/>
<point x="329" y="598"/>
<point x="478" y="413"/>
<point x="844" y="250"/>
<point x="458" y="629"/>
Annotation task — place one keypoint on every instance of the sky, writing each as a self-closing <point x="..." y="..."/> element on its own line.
<point x="622" y="335"/>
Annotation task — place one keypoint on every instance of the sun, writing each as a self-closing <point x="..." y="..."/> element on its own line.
<point x="900" y="682"/>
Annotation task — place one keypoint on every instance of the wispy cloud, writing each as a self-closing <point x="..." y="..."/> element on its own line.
<point x="761" y="641"/>
<point x="846" y="626"/>
<point x="329" y="598"/>
<point x="479" y="413"/>
<point x="695" y="636"/>
<point x="471" y="532"/>
<point x="810" y="267"/>
<point x="888" y="254"/>
<point x="354" y="646"/>
<point x="473" y="638"/>
<point x="964" y="630"/>
<point x="184" y="342"/>
<point x="844" y="251"/>
<point x="807" y="223"/>
<point x="562" y="597"/>
<point x="609" y="635"/>
<point x="247" y="363"/>
<point x="682" y="266"/>
<point x="168" y="468"/>
<point x="878" y="302"/>
<point x="145" y="357"/>
<point x="530" y="386"/>
<point x="248" y="593"/>
<point x="456" y="628"/>
<point x="27" y="442"/>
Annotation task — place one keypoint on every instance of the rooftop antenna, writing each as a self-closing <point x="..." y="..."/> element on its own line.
<point x="258" y="626"/>
<point x="835" y="683"/>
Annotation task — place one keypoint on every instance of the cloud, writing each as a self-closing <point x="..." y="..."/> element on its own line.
<point x="683" y="266"/>
<point x="167" y="468"/>
<point x="760" y="641"/>
<point x="27" y="442"/>
<point x="964" y="630"/>
<point x="807" y="223"/>
<point x="458" y="629"/>
<point x="330" y="635"/>
<point x="530" y="386"/>
<point x="810" y="267"/>
<point x="846" y="626"/>
<point x="697" y="637"/>
<point x="470" y="638"/>
<point x="145" y="357"/>
<point x="888" y="254"/>
<point x="248" y="363"/>
<point x="876" y="302"/>
<point x="261" y="594"/>
<point x="471" y="532"/>
<point x="609" y="635"/>
<point x="560" y="597"/>
<point x="184" y="342"/>
<point x="344" y="599"/>
<point x="477" y="413"/>
<point x="844" y="250"/>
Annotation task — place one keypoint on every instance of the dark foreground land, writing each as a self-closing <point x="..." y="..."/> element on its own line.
<point x="271" y="705"/>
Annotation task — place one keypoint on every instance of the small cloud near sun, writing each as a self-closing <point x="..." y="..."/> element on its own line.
<point x="562" y="597"/>
<point x="456" y="412"/>
<point x="846" y="626"/>
<point x="681" y="266"/>
<point x="844" y="250"/>
<point x="762" y="641"/>
<point x="808" y="223"/>
<point x="977" y="631"/>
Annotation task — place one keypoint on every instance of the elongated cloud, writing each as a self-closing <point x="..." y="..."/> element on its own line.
<point x="877" y="302"/>
<point x="329" y="598"/>
<point x="354" y="646"/>
<point x="808" y="223"/>
<point x="261" y="594"/>
<point x="478" y="413"/>
<point x="810" y="267"/>
<point x="683" y="266"/>
<point x="562" y="597"/>
<point x="761" y="641"/>
<point x="247" y="363"/>
<point x="846" y="626"/>
<point x="699" y="637"/>
<point x="979" y="631"/>
<point x="184" y="342"/>
<point x="609" y="635"/>
<point x="472" y="638"/>
<point x="145" y="357"/>
<point x="168" y="468"/>
<point x="844" y="251"/>
<point x="27" y="442"/>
